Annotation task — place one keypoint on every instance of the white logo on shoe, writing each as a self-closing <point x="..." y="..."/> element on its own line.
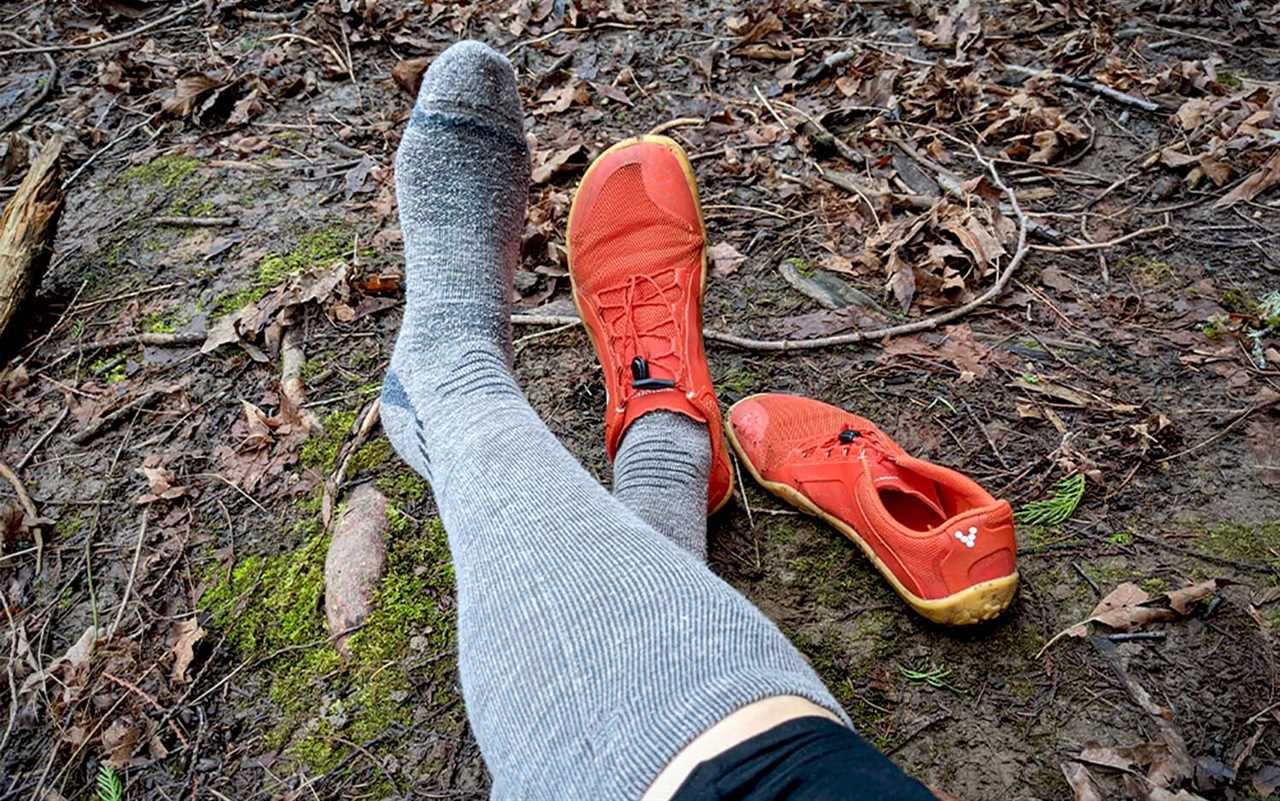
<point x="969" y="539"/>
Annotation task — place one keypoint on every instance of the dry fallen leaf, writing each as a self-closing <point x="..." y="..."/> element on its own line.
<point x="160" y="481"/>
<point x="552" y="163"/>
<point x="1125" y="609"/>
<point x="1081" y="782"/>
<point x="408" y="74"/>
<point x="185" y="634"/>
<point x="1266" y="176"/>
<point x="725" y="259"/>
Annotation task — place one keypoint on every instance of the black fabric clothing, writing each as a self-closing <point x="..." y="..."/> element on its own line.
<point x="806" y="759"/>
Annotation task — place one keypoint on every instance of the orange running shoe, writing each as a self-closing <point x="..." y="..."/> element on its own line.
<point x="941" y="540"/>
<point x="638" y="264"/>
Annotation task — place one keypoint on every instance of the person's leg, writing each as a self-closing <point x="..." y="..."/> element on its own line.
<point x="660" y="473"/>
<point x="592" y="649"/>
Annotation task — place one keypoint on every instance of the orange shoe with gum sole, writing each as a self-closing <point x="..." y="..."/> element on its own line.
<point x="943" y="542"/>
<point x="638" y="265"/>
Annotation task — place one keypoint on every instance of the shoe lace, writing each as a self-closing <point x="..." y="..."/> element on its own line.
<point x="840" y="444"/>
<point x="627" y="337"/>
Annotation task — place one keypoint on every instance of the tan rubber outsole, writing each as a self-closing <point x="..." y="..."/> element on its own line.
<point x="976" y="604"/>
<point x="673" y="146"/>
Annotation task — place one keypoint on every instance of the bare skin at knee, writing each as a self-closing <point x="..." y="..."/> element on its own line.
<point x="737" y="728"/>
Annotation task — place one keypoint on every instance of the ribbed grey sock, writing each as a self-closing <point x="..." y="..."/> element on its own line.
<point x="660" y="473"/>
<point x="591" y="648"/>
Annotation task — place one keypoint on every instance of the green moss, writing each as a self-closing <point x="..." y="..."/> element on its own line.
<point x="1249" y="542"/>
<point x="1146" y="271"/>
<point x="1230" y="80"/>
<point x="738" y="380"/>
<point x="111" y="369"/>
<point x="1121" y="538"/>
<point x="313" y="249"/>
<point x="1154" y="585"/>
<point x="321" y="452"/>
<point x="165" y="321"/>
<point x="166" y="171"/>
<point x="270" y="603"/>
<point x="1216" y="327"/>
<point x="312" y="368"/>
<point x="403" y="487"/>
<point x="371" y="456"/>
<point x="801" y="266"/>
<point x="322" y="699"/>
<point x="69" y="525"/>
<point x="1107" y="572"/>
<point x="834" y="572"/>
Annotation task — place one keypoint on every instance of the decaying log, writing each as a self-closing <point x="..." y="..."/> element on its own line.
<point x="26" y="231"/>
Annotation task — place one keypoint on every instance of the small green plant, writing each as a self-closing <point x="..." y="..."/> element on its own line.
<point x="1057" y="508"/>
<point x="932" y="675"/>
<point x="1121" y="538"/>
<point x="110" y="788"/>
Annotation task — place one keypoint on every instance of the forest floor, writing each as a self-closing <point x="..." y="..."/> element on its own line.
<point x="183" y="400"/>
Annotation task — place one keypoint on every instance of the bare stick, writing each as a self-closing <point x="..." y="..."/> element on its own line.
<point x="1099" y="245"/>
<point x="1088" y="86"/>
<point x="66" y="410"/>
<point x="155" y="340"/>
<point x="133" y="575"/>
<point x="679" y="122"/>
<point x="120" y="37"/>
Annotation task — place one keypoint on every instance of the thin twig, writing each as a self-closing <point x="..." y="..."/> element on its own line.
<point x="66" y="410"/>
<point x="679" y="122"/>
<point x="94" y="156"/>
<point x="13" y="660"/>
<point x="133" y="575"/>
<point x="120" y="37"/>
<point x="1088" y="86"/>
<point x="1110" y="243"/>
<point x="106" y="421"/>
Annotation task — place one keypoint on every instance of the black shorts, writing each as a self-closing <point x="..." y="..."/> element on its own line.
<point x="806" y="759"/>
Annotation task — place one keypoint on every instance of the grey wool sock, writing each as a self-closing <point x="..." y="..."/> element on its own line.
<point x="661" y="472"/>
<point x="591" y="648"/>
<point x="462" y="182"/>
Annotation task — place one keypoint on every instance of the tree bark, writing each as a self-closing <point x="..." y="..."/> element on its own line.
<point x="26" y="231"/>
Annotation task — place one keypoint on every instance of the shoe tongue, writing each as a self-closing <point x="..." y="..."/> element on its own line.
<point x="887" y="474"/>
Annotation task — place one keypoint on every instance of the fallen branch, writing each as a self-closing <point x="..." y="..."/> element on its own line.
<point x="364" y="425"/>
<point x="26" y="229"/>
<point x="1099" y="245"/>
<point x="270" y="16"/>
<point x="120" y="37"/>
<point x="47" y="90"/>
<point x="179" y="340"/>
<point x="850" y="184"/>
<point x="1088" y="86"/>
